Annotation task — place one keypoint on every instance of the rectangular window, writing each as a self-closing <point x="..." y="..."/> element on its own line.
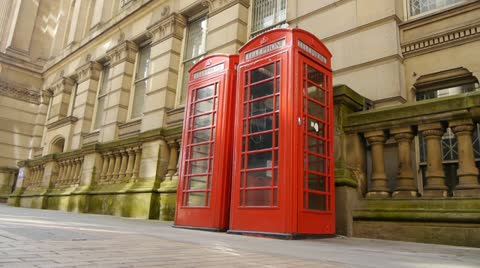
<point x="141" y="82"/>
<point x="417" y="7"/>
<point x="101" y="98"/>
<point x="195" y="48"/>
<point x="268" y="14"/>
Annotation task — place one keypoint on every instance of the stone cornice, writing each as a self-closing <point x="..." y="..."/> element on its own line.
<point x="217" y="6"/>
<point x="90" y="70"/>
<point x="63" y="85"/>
<point x="62" y="122"/>
<point x="125" y="51"/>
<point x="439" y="41"/>
<point x="20" y="93"/>
<point x="171" y="26"/>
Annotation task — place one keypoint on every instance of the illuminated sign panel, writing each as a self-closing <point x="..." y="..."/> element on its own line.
<point x="311" y="51"/>
<point x="208" y="71"/>
<point x="264" y="50"/>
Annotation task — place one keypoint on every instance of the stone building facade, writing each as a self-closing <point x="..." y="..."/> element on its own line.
<point x="92" y="95"/>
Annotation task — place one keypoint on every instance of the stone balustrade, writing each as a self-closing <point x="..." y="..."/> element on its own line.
<point x="69" y="171"/>
<point x="34" y="176"/>
<point x="120" y="165"/>
<point x="409" y="127"/>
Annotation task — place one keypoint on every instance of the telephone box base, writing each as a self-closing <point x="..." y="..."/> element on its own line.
<point x="200" y="228"/>
<point x="284" y="236"/>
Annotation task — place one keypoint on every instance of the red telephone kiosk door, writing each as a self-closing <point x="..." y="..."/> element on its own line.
<point x="283" y="181"/>
<point x="203" y="195"/>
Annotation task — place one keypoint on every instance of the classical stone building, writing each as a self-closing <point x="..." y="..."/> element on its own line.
<point x="92" y="95"/>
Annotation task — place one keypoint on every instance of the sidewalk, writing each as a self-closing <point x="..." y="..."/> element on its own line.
<point x="43" y="238"/>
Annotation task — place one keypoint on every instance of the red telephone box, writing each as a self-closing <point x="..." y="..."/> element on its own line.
<point x="283" y="180"/>
<point x="203" y="195"/>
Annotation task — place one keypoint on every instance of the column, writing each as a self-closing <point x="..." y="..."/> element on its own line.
<point x="122" y="60"/>
<point x="405" y="184"/>
<point x="21" y="32"/>
<point x="118" y="160"/>
<point x="467" y="172"/>
<point x="167" y="36"/>
<point x="68" y="175"/>
<point x="173" y="158"/>
<point x="378" y="187"/>
<point x="136" y="166"/>
<point x="103" y="173"/>
<point x="435" y="186"/>
<point x="111" y="163"/>
<point x="131" y="161"/>
<point x="123" y="166"/>
<point x="87" y="85"/>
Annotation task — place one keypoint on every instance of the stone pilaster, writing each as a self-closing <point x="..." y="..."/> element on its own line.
<point x="167" y="35"/>
<point x="122" y="60"/>
<point x="467" y="172"/>
<point x="432" y="134"/>
<point x="405" y="184"/>
<point x="225" y="18"/>
<point x="87" y="85"/>
<point x="61" y="97"/>
<point x="379" y="186"/>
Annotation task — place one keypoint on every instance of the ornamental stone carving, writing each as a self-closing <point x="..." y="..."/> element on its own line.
<point x="125" y="51"/>
<point x="63" y="85"/>
<point x="171" y="26"/>
<point x="90" y="70"/>
<point x="18" y="92"/>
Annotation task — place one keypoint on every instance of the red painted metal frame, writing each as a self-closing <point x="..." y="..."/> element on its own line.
<point x="291" y="215"/>
<point x="213" y="213"/>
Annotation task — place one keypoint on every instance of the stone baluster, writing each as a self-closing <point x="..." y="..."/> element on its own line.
<point x="60" y="172"/>
<point x="76" y="171"/>
<point x="42" y="172"/>
<point x="116" y="168"/>
<point x="379" y="187"/>
<point x="79" y="173"/>
<point x="136" y="166"/>
<point x="405" y="184"/>
<point x="435" y="175"/>
<point x="172" y="161"/>
<point x="111" y="163"/>
<point x="34" y="175"/>
<point x="103" y="173"/>
<point x="131" y="161"/>
<point x="69" y="171"/>
<point x="467" y="172"/>
<point x="64" y="174"/>
<point x="123" y="165"/>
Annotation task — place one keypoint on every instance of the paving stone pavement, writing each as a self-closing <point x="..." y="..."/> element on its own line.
<point x="45" y="238"/>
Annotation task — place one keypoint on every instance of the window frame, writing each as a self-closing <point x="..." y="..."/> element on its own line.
<point x="254" y="31"/>
<point x="184" y="75"/>
<point x="135" y="81"/>
<point x="430" y="12"/>
<point x="106" y="66"/>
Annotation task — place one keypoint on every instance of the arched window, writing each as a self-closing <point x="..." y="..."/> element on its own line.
<point x="57" y="145"/>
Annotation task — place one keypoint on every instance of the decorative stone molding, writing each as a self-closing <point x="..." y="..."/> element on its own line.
<point x="18" y="92"/>
<point x="62" y="122"/>
<point x="441" y="40"/>
<point x="63" y="85"/>
<point x="171" y="26"/>
<point x="216" y="6"/>
<point x="125" y="51"/>
<point x="90" y="70"/>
